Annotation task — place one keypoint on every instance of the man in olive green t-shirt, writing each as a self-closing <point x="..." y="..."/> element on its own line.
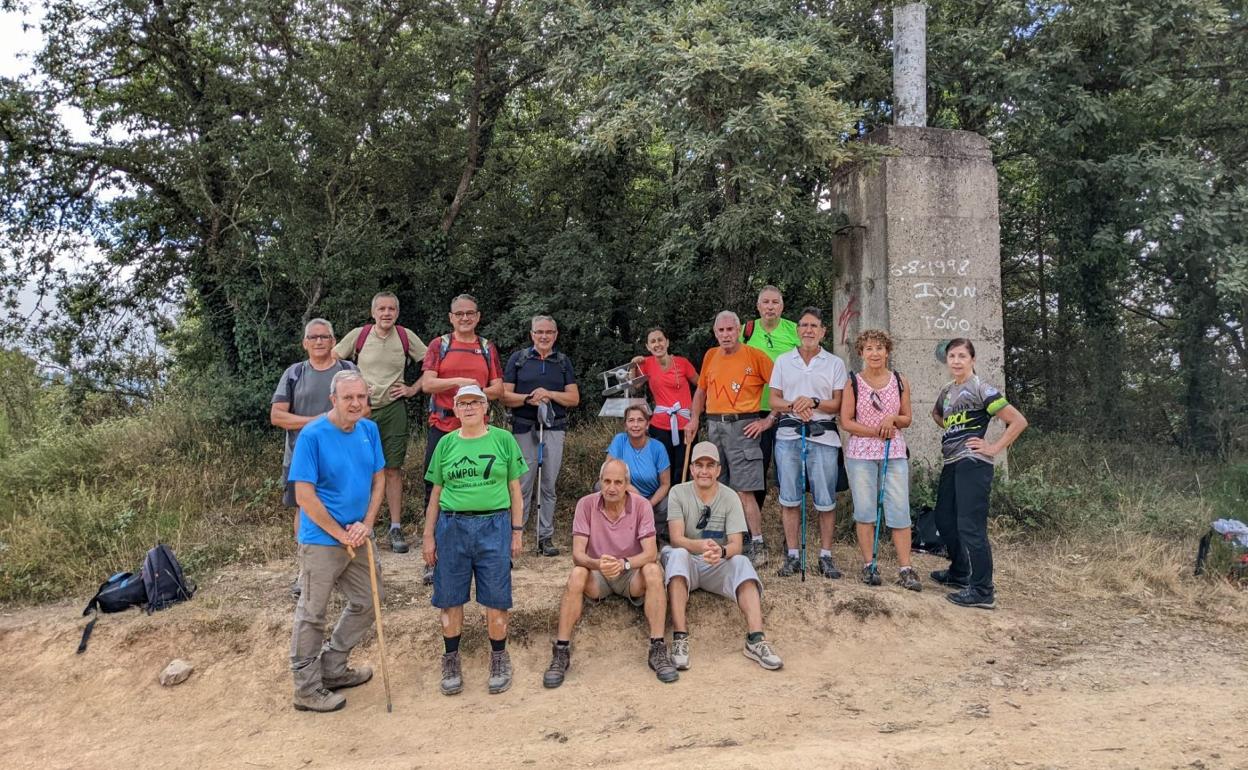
<point x="381" y="360"/>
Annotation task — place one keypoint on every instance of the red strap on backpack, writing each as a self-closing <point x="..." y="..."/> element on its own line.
<point x="368" y="328"/>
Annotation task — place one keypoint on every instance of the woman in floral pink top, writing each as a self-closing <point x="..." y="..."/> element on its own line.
<point x="875" y="408"/>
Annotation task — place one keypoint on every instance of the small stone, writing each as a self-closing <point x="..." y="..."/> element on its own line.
<point x="998" y="682"/>
<point x="176" y="672"/>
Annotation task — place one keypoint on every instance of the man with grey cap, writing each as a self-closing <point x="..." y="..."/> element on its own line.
<point x="706" y="523"/>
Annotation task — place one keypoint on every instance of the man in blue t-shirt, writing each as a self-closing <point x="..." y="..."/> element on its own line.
<point x="337" y="470"/>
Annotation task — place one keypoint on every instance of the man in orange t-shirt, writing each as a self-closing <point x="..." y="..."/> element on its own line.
<point x="730" y="390"/>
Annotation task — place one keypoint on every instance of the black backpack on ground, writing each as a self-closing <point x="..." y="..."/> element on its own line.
<point x="160" y="583"/>
<point x="924" y="538"/>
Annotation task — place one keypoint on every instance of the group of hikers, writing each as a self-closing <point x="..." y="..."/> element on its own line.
<point x="767" y="389"/>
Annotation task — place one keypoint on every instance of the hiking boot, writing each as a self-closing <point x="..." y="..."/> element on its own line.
<point x="560" y="662"/>
<point x="792" y="565"/>
<point x="943" y="577"/>
<point x="871" y="575"/>
<point x="397" y="543"/>
<point x="295" y="588"/>
<point x="352" y="677"/>
<point x="680" y="653"/>
<point x="973" y="597"/>
<point x="322" y="700"/>
<point x="428" y="578"/>
<point x="828" y="569"/>
<point x="546" y="548"/>
<point x="761" y="653"/>
<point x="500" y="672"/>
<point x="758" y="553"/>
<point x="908" y="579"/>
<point x="661" y="663"/>
<point x="452" y="674"/>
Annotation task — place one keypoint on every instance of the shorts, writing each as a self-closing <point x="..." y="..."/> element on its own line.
<point x="473" y="548"/>
<point x="821" y="470"/>
<point x="618" y="586"/>
<point x="864" y="485"/>
<point x="741" y="458"/>
<point x="723" y="578"/>
<point x="391" y="422"/>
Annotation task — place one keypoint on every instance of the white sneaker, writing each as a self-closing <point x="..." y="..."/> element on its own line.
<point x="761" y="653"/>
<point x="680" y="653"/>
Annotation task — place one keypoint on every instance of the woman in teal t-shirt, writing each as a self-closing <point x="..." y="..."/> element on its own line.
<point x="475" y="472"/>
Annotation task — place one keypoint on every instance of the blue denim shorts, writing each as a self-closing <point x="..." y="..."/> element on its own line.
<point x="820" y="473"/>
<point x="473" y="547"/>
<point x="864" y="486"/>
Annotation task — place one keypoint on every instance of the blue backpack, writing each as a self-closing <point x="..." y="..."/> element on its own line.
<point x="159" y="584"/>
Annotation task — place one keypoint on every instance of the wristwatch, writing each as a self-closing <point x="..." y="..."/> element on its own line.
<point x="514" y="528"/>
<point x="627" y="565"/>
<point x="723" y="551"/>
<point x="815" y="401"/>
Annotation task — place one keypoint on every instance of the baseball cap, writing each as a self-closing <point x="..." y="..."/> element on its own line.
<point x="704" y="449"/>
<point x="469" y="391"/>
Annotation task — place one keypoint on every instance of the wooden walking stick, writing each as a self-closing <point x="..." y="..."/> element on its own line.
<point x="684" y="471"/>
<point x="381" y="637"/>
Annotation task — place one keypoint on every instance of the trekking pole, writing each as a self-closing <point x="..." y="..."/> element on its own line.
<point x="801" y="488"/>
<point x="381" y="637"/>
<point x="879" y="507"/>
<point x="537" y="495"/>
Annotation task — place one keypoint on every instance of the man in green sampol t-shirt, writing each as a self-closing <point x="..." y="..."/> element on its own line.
<point x="774" y="335"/>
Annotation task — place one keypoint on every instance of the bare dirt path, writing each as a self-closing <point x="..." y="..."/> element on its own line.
<point x="1058" y="677"/>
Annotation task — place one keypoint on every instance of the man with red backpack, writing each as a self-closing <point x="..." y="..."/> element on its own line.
<point x="381" y="350"/>
<point x="454" y="360"/>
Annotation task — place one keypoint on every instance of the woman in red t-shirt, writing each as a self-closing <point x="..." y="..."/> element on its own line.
<point x="669" y="380"/>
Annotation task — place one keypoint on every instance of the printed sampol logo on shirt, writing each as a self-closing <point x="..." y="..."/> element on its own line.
<point x="467" y="468"/>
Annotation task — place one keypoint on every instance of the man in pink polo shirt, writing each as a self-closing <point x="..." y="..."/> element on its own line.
<point x="615" y="552"/>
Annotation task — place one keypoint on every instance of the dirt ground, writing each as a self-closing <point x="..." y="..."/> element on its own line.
<point x="1062" y="675"/>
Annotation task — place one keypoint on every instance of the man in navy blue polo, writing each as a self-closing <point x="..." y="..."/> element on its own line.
<point x="539" y="385"/>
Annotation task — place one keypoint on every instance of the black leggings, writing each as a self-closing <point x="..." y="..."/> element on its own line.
<point x="675" y="454"/>
<point x="962" y="518"/>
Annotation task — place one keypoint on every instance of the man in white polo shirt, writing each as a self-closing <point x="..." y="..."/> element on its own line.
<point x="807" y="384"/>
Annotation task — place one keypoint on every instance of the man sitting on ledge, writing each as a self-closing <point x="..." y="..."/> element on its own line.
<point x="614" y="550"/>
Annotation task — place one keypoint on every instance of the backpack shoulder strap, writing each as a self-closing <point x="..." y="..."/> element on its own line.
<point x="365" y="330"/>
<point x="403" y="340"/>
<point x="853" y="381"/>
<point x="444" y="346"/>
<point x="749" y="330"/>
<point x="292" y="381"/>
<point x="900" y="388"/>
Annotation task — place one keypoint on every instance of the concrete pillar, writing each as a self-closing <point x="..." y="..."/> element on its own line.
<point x="910" y="65"/>
<point x="920" y="256"/>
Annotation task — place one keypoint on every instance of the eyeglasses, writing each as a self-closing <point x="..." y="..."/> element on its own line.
<point x="875" y="401"/>
<point x="465" y="313"/>
<point x="705" y="517"/>
<point x="544" y="332"/>
<point x="469" y="404"/>
<point x="319" y="337"/>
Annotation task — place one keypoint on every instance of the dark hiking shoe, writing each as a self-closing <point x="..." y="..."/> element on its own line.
<point x="352" y="677"/>
<point x="792" y="565"/>
<point x="452" y="674"/>
<point x="546" y="548"/>
<point x="560" y="661"/>
<point x="321" y="701"/>
<point x="500" y="672"/>
<point x="758" y="553"/>
<point x="428" y="578"/>
<point x="397" y="543"/>
<point x="943" y="577"/>
<point x="908" y="579"/>
<point x="871" y="575"/>
<point x="761" y="653"/>
<point x="973" y="597"/>
<point x="295" y="588"/>
<point x="661" y="663"/>
<point x="828" y="569"/>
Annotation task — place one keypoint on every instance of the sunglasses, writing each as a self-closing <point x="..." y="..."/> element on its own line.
<point x="875" y="401"/>
<point x="706" y="517"/>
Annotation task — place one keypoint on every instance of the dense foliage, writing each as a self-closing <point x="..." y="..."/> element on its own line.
<point x="254" y="164"/>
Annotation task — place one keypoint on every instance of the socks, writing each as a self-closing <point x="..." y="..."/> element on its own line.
<point x="656" y="640"/>
<point x="560" y="643"/>
<point x="755" y="637"/>
<point x="757" y="538"/>
<point x="451" y="643"/>
<point x="498" y="645"/>
<point x="824" y="552"/>
<point x="394" y="526"/>
<point x="792" y="553"/>
<point x="679" y="635"/>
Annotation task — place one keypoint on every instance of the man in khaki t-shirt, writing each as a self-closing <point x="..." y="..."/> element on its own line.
<point x="381" y="360"/>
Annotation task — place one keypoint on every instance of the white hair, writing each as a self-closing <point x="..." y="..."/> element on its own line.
<point x="346" y="375"/>
<point x="318" y="322"/>
<point x="628" y="477"/>
<point x="736" y="319"/>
